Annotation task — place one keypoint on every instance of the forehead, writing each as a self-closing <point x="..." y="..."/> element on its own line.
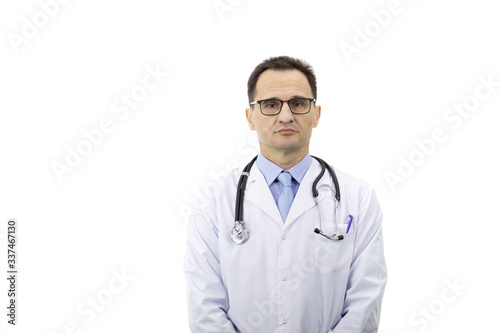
<point x="282" y="84"/>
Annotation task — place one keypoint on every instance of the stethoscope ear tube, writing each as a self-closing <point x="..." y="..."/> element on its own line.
<point x="324" y="166"/>
<point x="332" y="173"/>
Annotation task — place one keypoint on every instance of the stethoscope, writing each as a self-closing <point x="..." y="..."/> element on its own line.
<point x="240" y="234"/>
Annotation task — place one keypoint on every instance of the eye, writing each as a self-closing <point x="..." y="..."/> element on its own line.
<point x="271" y="104"/>
<point x="298" y="103"/>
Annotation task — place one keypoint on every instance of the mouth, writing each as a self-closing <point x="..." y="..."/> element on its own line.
<point x="286" y="131"/>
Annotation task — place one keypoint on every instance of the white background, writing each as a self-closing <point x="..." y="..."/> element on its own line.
<point x="124" y="207"/>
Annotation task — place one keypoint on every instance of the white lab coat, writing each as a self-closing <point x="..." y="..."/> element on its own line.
<point x="286" y="278"/>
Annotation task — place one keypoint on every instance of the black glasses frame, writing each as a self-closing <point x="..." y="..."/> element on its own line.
<point x="311" y="100"/>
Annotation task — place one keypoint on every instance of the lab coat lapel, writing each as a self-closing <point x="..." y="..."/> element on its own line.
<point x="304" y="199"/>
<point x="259" y="194"/>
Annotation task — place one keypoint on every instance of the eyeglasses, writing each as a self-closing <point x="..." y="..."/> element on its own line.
<point x="272" y="106"/>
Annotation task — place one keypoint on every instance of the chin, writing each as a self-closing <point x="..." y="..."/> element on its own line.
<point x="288" y="146"/>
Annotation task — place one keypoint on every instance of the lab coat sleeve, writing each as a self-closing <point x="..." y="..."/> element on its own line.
<point x="207" y="298"/>
<point x="368" y="273"/>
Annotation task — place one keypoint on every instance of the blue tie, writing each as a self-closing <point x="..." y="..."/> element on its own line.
<point x="286" y="197"/>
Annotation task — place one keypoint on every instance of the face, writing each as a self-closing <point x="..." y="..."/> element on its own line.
<point x="285" y="132"/>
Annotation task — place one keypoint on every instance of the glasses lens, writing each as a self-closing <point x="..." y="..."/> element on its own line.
<point x="270" y="106"/>
<point x="300" y="105"/>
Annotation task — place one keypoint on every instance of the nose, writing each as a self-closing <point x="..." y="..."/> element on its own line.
<point x="286" y="115"/>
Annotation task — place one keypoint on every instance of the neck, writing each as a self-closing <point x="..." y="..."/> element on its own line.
<point x="285" y="159"/>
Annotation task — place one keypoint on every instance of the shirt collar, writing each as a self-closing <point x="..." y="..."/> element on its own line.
<point x="271" y="170"/>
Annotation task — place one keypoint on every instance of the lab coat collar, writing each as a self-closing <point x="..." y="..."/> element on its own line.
<point x="270" y="170"/>
<point x="304" y="199"/>
<point x="257" y="192"/>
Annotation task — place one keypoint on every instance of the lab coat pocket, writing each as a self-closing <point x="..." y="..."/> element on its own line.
<point x="331" y="255"/>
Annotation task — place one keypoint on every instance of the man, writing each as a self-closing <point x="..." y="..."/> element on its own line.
<point x="307" y="266"/>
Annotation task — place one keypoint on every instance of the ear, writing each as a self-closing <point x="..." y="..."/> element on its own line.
<point x="249" y="113"/>
<point x="317" y="115"/>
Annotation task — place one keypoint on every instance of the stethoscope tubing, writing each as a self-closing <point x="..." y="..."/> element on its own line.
<point x="326" y="166"/>
<point x="240" y="189"/>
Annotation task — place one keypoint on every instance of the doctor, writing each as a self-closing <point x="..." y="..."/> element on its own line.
<point x="286" y="277"/>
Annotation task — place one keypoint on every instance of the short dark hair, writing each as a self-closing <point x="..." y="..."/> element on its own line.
<point x="281" y="63"/>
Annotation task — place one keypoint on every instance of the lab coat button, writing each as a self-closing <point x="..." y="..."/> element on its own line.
<point x="284" y="321"/>
<point x="283" y="237"/>
<point x="284" y="278"/>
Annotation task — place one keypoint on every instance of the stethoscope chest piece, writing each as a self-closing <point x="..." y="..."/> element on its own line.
<point x="239" y="234"/>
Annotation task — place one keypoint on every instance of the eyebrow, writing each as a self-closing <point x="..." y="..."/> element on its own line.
<point x="295" y="96"/>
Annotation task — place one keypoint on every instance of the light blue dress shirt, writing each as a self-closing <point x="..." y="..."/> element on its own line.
<point x="271" y="172"/>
